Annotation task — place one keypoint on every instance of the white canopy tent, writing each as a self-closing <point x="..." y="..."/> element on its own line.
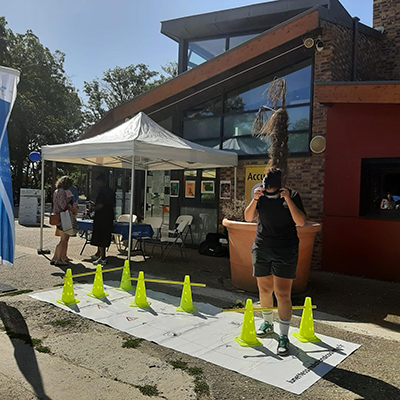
<point x="143" y="141"/>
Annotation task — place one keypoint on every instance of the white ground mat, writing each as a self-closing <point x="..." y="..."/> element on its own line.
<point x="208" y="334"/>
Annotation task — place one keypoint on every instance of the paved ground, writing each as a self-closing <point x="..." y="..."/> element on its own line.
<point x="86" y="360"/>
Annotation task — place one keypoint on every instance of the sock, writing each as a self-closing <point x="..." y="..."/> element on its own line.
<point x="284" y="325"/>
<point x="268" y="316"/>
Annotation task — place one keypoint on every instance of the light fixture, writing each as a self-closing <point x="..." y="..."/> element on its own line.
<point x="319" y="44"/>
<point x="308" y="43"/>
<point x="318" y="144"/>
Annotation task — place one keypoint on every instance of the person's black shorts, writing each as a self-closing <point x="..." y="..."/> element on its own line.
<point x="280" y="262"/>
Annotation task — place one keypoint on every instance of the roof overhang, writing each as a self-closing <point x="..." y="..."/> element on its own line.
<point x="384" y="92"/>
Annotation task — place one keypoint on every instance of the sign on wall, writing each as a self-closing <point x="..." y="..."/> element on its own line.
<point x="253" y="179"/>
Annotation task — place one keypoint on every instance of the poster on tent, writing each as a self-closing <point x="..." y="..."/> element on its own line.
<point x="225" y="190"/>
<point x="174" y="192"/>
<point x="29" y="207"/>
<point x="190" y="189"/>
<point x="207" y="186"/>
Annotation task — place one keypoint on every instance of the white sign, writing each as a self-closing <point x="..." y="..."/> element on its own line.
<point x="29" y="207"/>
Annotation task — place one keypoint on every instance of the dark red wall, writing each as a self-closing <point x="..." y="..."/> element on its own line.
<point x="350" y="244"/>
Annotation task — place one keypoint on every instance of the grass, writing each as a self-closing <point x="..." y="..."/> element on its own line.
<point x="35" y="343"/>
<point x="62" y="322"/>
<point x="132" y="343"/>
<point x="43" y="349"/>
<point x="16" y="293"/>
<point x="148" y="390"/>
<point x="200" y="385"/>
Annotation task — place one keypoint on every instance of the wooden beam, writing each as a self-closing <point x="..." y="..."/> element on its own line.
<point x="218" y="65"/>
<point x="378" y="93"/>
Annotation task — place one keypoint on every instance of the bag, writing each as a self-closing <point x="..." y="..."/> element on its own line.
<point x="55" y="219"/>
<point x="212" y="246"/>
<point x="69" y="224"/>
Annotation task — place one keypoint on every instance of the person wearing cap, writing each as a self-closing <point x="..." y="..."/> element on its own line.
<point x="275" y="250"/>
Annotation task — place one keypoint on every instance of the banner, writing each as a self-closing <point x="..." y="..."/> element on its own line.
<point x="254" y="176"/>
<point x="9" y="79"/>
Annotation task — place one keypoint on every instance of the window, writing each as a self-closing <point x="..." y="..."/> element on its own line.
<point x="236" y="40"/>
<point x="226" y="122"/>
<point x="204" y="50"/>
<point x="380" y="188"/>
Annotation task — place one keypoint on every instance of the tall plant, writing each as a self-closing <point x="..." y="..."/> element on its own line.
<point x="272" y="122"/>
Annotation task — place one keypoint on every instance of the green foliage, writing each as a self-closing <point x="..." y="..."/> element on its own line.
<point x="201" y="386"/>
<point x="148" y="390"/>
<point x="47" y="109"/>
<point x="179" y="364"/>
<point x="120" y="85"/>
<point x="132" y="343"/>
<point x="43" y="349"/>
<point x="62" y="322"/>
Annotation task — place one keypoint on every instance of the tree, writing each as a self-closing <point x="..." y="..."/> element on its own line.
<point x="47" y="109"/>
<point x="120" y="85"/>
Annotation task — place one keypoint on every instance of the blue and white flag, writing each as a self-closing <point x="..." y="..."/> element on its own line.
<point x="9" y="79"/>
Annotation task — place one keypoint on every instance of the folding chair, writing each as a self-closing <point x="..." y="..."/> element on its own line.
<point x="118" y="237"/>
<point x="175" y="240"/>
<point x="189" y="219"/>
<point x="156" y="223"/>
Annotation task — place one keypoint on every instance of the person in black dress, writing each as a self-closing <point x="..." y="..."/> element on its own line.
<point x="103" y="220"/>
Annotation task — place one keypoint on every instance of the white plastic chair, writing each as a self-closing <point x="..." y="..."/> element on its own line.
<point x="176" y="240"/>
<point x="156" y="223"/>
<point x="189" y="220"/>
<point x="118" y="237"/>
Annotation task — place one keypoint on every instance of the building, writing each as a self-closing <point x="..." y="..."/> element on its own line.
<point x="226" y="61"/>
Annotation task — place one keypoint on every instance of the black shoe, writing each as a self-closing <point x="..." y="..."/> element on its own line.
<point x="283" y="346"/>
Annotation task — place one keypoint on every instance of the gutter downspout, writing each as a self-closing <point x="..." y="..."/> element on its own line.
<point x="355" y="48"/>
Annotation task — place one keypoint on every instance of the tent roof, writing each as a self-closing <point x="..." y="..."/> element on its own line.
<point x="155" y="148"/>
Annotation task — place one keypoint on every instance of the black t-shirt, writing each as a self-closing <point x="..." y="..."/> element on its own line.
<point x="275" y="227"/>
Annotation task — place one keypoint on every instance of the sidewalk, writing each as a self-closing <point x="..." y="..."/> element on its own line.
<point x="360" y="310"/>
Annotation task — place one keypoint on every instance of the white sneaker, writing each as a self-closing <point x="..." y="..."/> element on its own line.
<point x="94" y="257"/>
<point x="100" y="261"/>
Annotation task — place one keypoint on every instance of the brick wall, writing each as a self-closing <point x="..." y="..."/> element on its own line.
<point x="387" y="14"/>
<point x="306" y="174"/>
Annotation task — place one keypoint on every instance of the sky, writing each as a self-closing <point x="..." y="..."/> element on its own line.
<point x="97" y="35"/>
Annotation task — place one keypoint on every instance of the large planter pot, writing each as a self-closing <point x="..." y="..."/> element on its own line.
<point x="241" y="238"/>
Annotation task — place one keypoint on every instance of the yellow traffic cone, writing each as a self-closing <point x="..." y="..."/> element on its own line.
<point x="186" y="299"/>
<point x="98" y="288"/>
<point x="306" y="332"/>
<point x="248" y="336"/>
<point x="140" y="293"/>
<point x="126" y="283"/>
<point x="68" y="296"/>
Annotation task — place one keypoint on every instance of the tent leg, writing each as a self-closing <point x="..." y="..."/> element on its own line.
<point x="145" y="194"/>
<point x="131" y="204"/>
<point x="235" y="182"/>
<point x="40" y="250"/>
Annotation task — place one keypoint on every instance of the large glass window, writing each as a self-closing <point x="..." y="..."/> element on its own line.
<point x="236" y="40"/>
<point x="226" y="122"/>
<point x="203" y="50"/>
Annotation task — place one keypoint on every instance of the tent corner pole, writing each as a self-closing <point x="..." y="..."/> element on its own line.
<point x="145" y="193"/>
<point x="40" y="250"/>
<point x="131" y="202"/>
<point x="235" y="183"/>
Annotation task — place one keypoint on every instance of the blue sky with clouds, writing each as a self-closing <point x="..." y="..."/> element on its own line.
<point x="97" y="35"/>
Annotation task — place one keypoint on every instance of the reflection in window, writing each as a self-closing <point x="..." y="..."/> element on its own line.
<point x="191" y="172"/>
<point x="236" y="40"/>
<point x="299" y="118"/>
<point x="380" y="188"/>
<point x="298" y="91"/>
<point x="201" y="51"/>
<point x="298" y="142"/>
<point x="246" y="145"/>
<point x="206" y="128"/>
<point x="238" y="124"/>
<point x="209" y="108"/>
<point x="209" y="173"/>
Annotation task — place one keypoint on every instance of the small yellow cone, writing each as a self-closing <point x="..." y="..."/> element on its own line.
<point x="306" y="332"/>
<point x="68" y="296"/>
<point x="98" y="288"/>
<point x="140" y="293"/>
<point x="186" y="299"/>
<point x="248" y="336"/>
<point x="126" y="283"/>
